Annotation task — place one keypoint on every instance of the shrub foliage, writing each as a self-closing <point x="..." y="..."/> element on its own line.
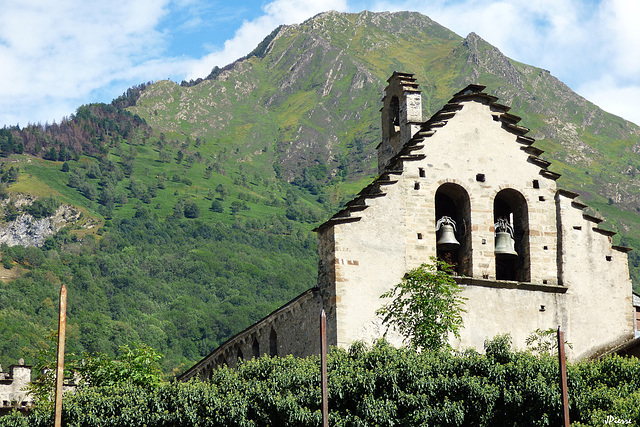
<point x="425" y="306"/>
<point x="380" y="386"/>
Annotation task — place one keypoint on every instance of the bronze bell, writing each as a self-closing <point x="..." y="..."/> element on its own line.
<point x="447" y="240"/>
<point x="505" y="245"/>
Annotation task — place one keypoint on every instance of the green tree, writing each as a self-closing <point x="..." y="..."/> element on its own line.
<point x="7" y="261"/>
<point x="11" y="175"/>
<point x="51" y="154"/>
<point x="222" y="191"/>
<point x="216" y="206"/>
<point x="191" y="209"/>
<point x="425" y="306"/>
<point x="138" y="364"/>
<point x="178" y="209"/>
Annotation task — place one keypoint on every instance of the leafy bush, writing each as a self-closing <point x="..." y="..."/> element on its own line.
<point x="381" y="386"/>
<point x="191" y="209"/>
<point x="425" y="306"/>
<point x="42" y="208"/>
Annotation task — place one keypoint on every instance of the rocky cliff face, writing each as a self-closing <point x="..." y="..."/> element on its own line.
<point x="26" y="230"/>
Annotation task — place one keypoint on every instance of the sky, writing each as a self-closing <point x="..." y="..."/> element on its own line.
<point x="56" y="55"/>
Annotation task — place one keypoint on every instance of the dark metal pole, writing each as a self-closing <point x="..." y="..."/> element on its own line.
<point x="62" y="325"/>
<point x="323" y="364"/>
<point x="563" y="378"/>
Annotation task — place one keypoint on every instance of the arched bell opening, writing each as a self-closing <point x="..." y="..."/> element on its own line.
<point x="511" y="224"/>
<point x="453" y="227"/>
<point x="394" y="116"/>
<point x="255" y="348"/>
<point x="273" y="343"/>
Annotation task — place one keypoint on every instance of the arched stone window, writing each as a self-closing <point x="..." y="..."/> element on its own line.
<point x="256" y="348"/>
<point x="394" y="110"/>
<point x="511" y="218"/>
<point x="453" y="220"/>
<point x="273" y="343"/>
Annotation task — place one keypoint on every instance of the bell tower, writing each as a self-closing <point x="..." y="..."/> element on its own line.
<point x="401" y="115"/>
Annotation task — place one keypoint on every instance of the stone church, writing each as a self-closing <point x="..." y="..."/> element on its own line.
<point x="467" y="186"/>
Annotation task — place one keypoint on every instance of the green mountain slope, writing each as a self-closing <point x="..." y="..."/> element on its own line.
<point x="309" y="101"/>
<point x="207" y="191"/>
<point x="312" y="96"/>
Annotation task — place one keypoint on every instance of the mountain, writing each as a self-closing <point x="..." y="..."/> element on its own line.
<point x="307" y="102"/>
<point x="206" y="192"/>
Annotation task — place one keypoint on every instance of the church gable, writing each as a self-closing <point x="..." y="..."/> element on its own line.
<point x="467" y="186"/>
<point x="472" y="152"/>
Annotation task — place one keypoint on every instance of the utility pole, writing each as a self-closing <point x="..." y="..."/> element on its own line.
<point x="323" y="363"/>
<point x="563" y="378"/>
<point x="62" y="325"/>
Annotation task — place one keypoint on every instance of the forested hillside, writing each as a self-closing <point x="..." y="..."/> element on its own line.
<point x="205" y="193"/>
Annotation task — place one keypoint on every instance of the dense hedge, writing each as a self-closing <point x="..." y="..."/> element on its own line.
<point x="380" y="386"/>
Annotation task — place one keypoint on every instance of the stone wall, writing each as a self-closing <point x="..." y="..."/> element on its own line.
<point x="596" y="274"/>
<point x="292" y="329"/>
<point x="472" y="159"/>
<point x="12" y="384"/>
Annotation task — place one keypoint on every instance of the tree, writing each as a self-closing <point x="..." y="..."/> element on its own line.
<point x="191" y="209"/>
<point x="425" y="306"/>
<point x="51" y="154"/>
<point x="216" y="206"/>
<point x="178" y="209"/>
<point x="138" y="365"/>
<point x="10" y="175"/>
<point x="88" y="190"/>
<point x="7" y="261"/>
<point x="222" y="191"/>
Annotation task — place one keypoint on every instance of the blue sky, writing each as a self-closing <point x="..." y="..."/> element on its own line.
<point x="56" y="55"/>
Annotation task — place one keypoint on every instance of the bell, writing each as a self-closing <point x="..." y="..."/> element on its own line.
<point x="505" y="245"/>
<point x="447" y="240"/>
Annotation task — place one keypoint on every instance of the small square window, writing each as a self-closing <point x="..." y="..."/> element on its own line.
<point x="480" y="177"/>
<point x="421" y="172"/>
<point x="541" y="198"/>
<point x="416" y="186"/>
<point x="536" y="183"/>
<point x="609" y="258"/>
<point x="419" y="236"/>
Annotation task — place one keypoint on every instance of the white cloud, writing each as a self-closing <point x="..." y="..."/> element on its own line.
<point x="56" y="52"/>
<point x="613" y="97"/>
<point x="251" y="33"/>
<point x="620" y="19"/>
<point x="58" y="55"/>
<point x="591" y="45"/>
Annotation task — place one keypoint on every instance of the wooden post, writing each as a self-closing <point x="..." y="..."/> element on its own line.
<point x="563" y="378"/>
<point x="323" y="365"/>
<point x="62" y="324"/>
